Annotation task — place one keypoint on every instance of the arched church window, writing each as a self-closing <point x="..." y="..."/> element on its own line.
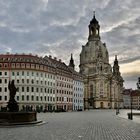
<point x="85" y="54"/>
<point x="101" y="68"/>
<point x="93" y="31"/>
<point x="91" y="91"/>
<point x="101" y="88"/>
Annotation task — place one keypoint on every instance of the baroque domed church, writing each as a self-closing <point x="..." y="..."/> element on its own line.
<point x="103" y="84"/>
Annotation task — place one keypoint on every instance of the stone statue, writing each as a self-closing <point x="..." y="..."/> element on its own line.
<point x="12" y="104"/>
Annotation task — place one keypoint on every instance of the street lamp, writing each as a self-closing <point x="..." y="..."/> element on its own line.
<point x="131" y="116"/>
<point x="117" y="108"/>
<point x="117" y="105"/>
<point x="110" y="92"/>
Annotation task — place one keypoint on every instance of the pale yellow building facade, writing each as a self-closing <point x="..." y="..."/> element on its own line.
<point x="103" y="84"/>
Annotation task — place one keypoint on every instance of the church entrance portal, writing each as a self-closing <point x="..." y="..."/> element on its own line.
<point x="101" y="104"/>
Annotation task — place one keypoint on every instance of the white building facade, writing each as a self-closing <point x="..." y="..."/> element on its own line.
<point x="34" y="78"/>
<point x="43" y="83"/>
<point x="78" y="95"/>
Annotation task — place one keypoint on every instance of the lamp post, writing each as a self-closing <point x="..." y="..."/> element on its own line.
<point x="110" y="92"/>
<point x="131" y="116"/>
<point x="117" y="107"/>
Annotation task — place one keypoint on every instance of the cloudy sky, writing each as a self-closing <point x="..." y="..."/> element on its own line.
<point x="60" y="27"/>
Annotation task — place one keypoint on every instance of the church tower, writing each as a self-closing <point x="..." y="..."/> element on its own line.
<point x="94" y="29"/>
<point x="71" y="63"/>
<point x="100" y="86"/>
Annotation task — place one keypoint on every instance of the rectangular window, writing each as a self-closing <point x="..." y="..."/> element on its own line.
<point x="32" y="98"/>
<point x="27" y="97"/>
<point x="0" y="89"/>
<point x="17" y="98"/>
<point x="5" y="98"/>
<point x="27" y="89"/>
<point x="27" y="80"/>
<point x="5" y="89"/>
<point x="32" y="89"/>
<point x="17" y="73"/>
<point x="22" y="97"/>
<point x="22" y="80"/>
<point x="45" y="98"/>
<point x="0" y="73"/>
<point x="17" y="80"/>
<point x="0" y="81"/>
<point x="13" y="73"/>
<point x="37" y="74"/>
<point x="41" y="98"/>
<point x="5" y="81"/>
<point x="27" y="73"/>
<point x="22" y="89"/>
<point x="22" y="73"/>
<point x="17" y="89"/>
<point x="5" y="73"/>
<point x="37" y="98"/>
<point x="32" y="81"/>
<point x="0" y="98"/>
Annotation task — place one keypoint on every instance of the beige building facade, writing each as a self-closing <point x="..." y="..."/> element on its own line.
<point x="103" y="84"/>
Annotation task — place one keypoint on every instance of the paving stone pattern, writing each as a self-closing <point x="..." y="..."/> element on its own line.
<point x="87" y="125"/>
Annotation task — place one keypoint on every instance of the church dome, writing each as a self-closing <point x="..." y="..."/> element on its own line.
<point x="94" y="50"/>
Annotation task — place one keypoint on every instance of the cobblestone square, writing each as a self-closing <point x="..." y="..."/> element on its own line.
<point x="86" y="125"/>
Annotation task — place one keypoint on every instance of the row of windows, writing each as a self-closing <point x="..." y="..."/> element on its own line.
<point x="36" y="89"/>
<point x="78" y="83"/>
<point x="78" y="101"/>
<point x="37" y="98"/>
<point x="64" y="92"/>
<point x="62" y="99"/>
<point x="32" y="98"/>
<point x="32" y="89"/>
<point x="64" y="79"/>
<point x="22" y="81"/>
<point x="64" y="85"/>
<point x="5" y="98"/>
<point x="23" y="73"/>
<point x="78" y="107"/>
<point x="78" y="89"/>
<point x="18" y="65"/>
<point x="5" y="89"/>
<point x="5" y="73"/>
<point x="32" y="81"/>
<point x="5" y="81"/>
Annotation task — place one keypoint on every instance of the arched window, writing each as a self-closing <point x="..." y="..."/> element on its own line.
<point x="101" y="88"/>
<point x="91" y="91"/>
<point x="85" y="54"/>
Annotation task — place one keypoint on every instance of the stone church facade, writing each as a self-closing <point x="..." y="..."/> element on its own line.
<point x="103" y="84"/>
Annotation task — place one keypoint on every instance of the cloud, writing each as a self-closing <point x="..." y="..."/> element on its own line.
<point x="60" y="27"/>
